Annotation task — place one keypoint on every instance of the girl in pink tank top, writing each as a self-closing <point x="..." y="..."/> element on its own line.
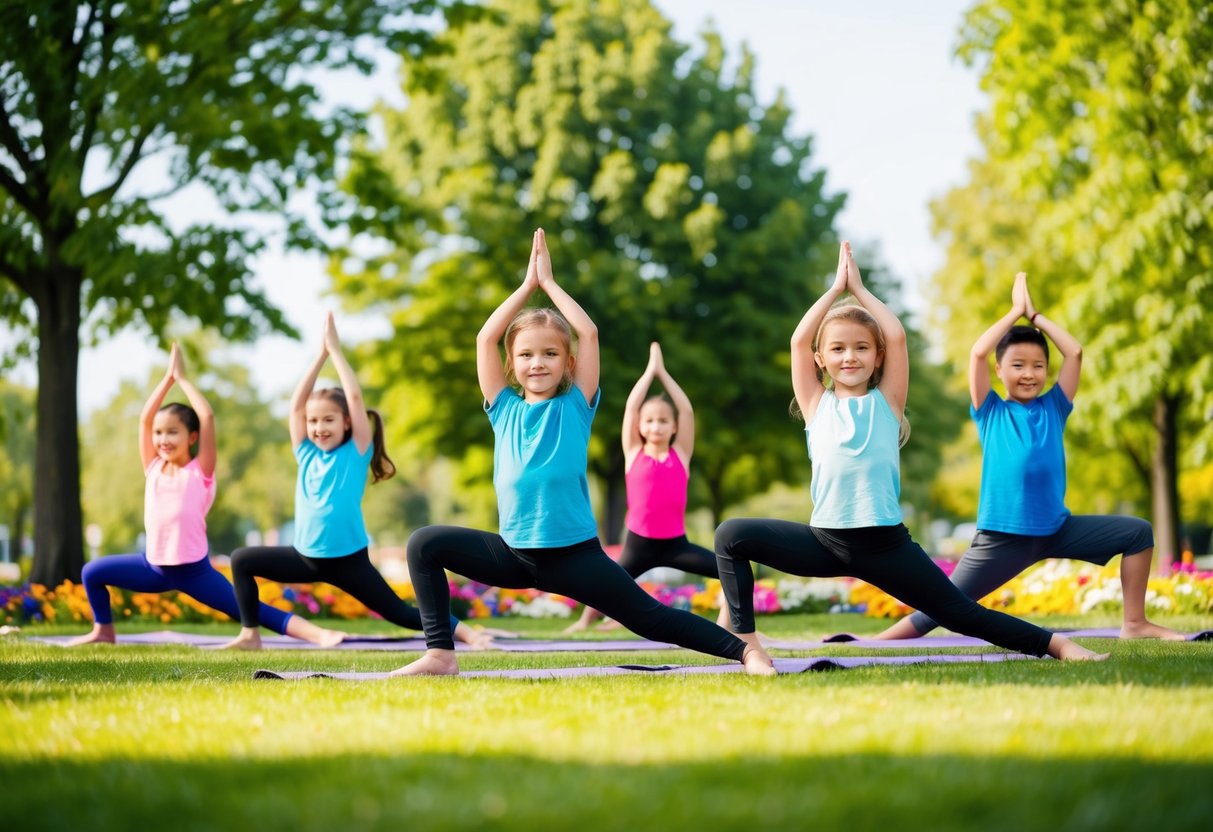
<point x="658" y="440"/>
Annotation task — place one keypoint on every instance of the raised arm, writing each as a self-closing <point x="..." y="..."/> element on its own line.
<point x="805" y="384"/>
<point x="1071" y="351"/>
<point x="684" y="440"/>
<point x="979" y="356"/>
<point x="207" y="453"/>
<point x="585" y="369"/>
<point x="895" y="379"/>
<point x="632" y="441"/>
<point x="489" y="369"/>
<point x="298" y="416"/>
<point x="147" y="448"/>
<point x="360" y="423"/>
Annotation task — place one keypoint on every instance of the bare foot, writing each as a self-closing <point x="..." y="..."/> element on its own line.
<point x="608" y="625"/>
<point x="757" y="662"/>
<point x="300" y="628"/>
<point x="101" y="634"/>
<point x="479" y="640"/>
<point x="577" y="626"/>
<point x="1062" y="648"/>
<point x="431" y="663"/>
<point x="1148" y="629"/>
<point x="249" y="639"/>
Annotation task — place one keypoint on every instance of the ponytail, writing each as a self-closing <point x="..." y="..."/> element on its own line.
<point x="382" y="467"/>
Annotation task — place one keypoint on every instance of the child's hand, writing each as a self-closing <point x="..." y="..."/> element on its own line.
<point x="531" y="281"/>
<point x="854" y="281"/>
<point x="840" y="276"/>
<point x="543" y="261"/>
<point x="1029" y="308"/>
<point x="1019" y="294"/>
<point x="655" y="359"/>
<point x="176" y="363"/>
<point x="331" y="342"/>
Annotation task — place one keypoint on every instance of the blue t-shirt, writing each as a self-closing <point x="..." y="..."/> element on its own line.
<point x="328" y="499"/>
<point x="853" y="443"/>
<point x="1023" y="467"/>
<point x="539" y="460"/>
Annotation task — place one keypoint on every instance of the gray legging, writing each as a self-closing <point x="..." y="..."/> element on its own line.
<point x="582" y="572"/>
<point x="993" y="558"/>
<point x="884" y="556"/>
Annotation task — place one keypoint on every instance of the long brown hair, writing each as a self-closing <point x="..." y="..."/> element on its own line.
<point x="382" y="467"/>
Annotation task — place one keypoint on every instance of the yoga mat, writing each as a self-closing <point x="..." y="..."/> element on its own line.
<point x="782" y="666"/>
<point x="930" y="642"/>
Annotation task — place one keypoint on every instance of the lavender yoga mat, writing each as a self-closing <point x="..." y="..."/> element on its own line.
<point x="782" y="666"/>
<point x="930" y="642"/>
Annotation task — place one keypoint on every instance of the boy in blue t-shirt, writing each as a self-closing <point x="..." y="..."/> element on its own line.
<point x="1021" y="513"/>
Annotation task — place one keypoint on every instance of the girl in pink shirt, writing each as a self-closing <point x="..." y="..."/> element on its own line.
<point x="658" y="440"/>
<point x="179" y="492"/>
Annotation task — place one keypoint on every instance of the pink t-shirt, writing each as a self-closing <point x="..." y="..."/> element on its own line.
<point x="174" y="513"/>
<point x="657" y="496"/>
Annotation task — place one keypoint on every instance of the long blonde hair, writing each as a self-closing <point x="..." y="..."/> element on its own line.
<point x="854" y="313"/>
<point x="539" y="318"/>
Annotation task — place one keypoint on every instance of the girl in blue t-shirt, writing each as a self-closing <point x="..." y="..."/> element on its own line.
<point x="541" y="405"/>
<point x="335" y="439"/>
<point x="855" y="429"/>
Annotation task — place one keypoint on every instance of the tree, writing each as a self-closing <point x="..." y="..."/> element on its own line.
<point x="679" y="209"/>
<point x="107" y="109"/>
<point x="1095" y="180"/>
<point x="16" y="461"/>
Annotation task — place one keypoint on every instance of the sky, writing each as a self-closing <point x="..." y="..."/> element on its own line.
<point x="874" y="81"/>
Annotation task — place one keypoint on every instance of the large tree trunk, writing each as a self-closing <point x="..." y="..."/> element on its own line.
<point x="58" y="540"/>
<point x="615" y="499"/>
<point x="1165" y="482"/>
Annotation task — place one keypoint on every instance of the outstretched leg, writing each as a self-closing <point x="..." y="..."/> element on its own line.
<point x="131" y="572"/>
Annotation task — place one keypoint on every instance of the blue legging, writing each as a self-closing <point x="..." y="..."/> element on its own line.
<point x="199" y="580"/>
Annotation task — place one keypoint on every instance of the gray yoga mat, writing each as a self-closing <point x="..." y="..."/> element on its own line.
<point x="782" y="666"/>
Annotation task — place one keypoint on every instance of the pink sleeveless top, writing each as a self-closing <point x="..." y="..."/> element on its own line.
<point x="174" y="513"/>
<point x="657" y="496"/>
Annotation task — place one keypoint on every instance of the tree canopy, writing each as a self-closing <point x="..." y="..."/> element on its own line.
<point x="107" y="110"/>
<point x="1097" y="179"/>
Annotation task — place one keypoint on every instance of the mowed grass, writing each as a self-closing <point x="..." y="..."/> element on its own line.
<point x="140" y="737"/>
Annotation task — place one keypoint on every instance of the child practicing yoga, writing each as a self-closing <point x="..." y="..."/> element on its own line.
<point x="658" y="440"/>
<point x="334" y="442"/>
<point x="1021" y="513"/>
<point x="178" y="493"/>
<point x="855" y="427"/>
<point x="548" y="533"/>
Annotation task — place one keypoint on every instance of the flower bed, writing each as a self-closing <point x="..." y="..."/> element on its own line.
<point x="1052" y="587"/>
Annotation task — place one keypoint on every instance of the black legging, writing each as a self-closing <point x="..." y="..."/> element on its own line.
<point x="884" y="556"/>
<point x="353" y="573"/>
<point x="640" y="554"/>
<point x="582" y="572"/>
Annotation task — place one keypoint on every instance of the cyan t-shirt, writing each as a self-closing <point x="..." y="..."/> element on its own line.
<point x="539" y="463"/>
<point x="328" y="499"/>
<point x="1023" y="467"/>
<point x="853" y="443"/>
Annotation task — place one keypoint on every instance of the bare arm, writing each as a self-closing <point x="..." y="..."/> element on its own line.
<point x="207" y="453"/>
<point x="805" y="384"/>
<point x="1071" y="351"/>
<point x="979" y="356"/>
<point x="489" y="370"/>
<point x="298" y="416"/>
<point x="147" y="448"/>
<point x="632" y="442"/>
<point x="685" y="440"/>
<point x="895" y="380"/>
<point x="586" y="368"/>
<point x="360" y="423"/>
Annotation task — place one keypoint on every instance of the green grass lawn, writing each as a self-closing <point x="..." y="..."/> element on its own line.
<point x="177" y="738"/>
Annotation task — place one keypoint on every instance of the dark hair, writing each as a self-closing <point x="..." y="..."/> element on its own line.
<point x="382" y="467"/>
<point x="664" y="399"/>
<point x="1022" y="335"/>
<point x="188" y="417"/>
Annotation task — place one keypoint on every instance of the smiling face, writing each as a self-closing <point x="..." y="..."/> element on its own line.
<point x="540" y="360"/>
<point x="327" y="424"/>
<point x="657" y="423"/>
<point x="849" y="353"/>
<point x="171" y="438"/>
<point x="1023" y="369"/>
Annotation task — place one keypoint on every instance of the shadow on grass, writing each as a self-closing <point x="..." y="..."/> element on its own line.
<point x="446" y="792"/>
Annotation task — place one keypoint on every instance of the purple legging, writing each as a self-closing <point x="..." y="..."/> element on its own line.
<point x="199" y="580"/>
